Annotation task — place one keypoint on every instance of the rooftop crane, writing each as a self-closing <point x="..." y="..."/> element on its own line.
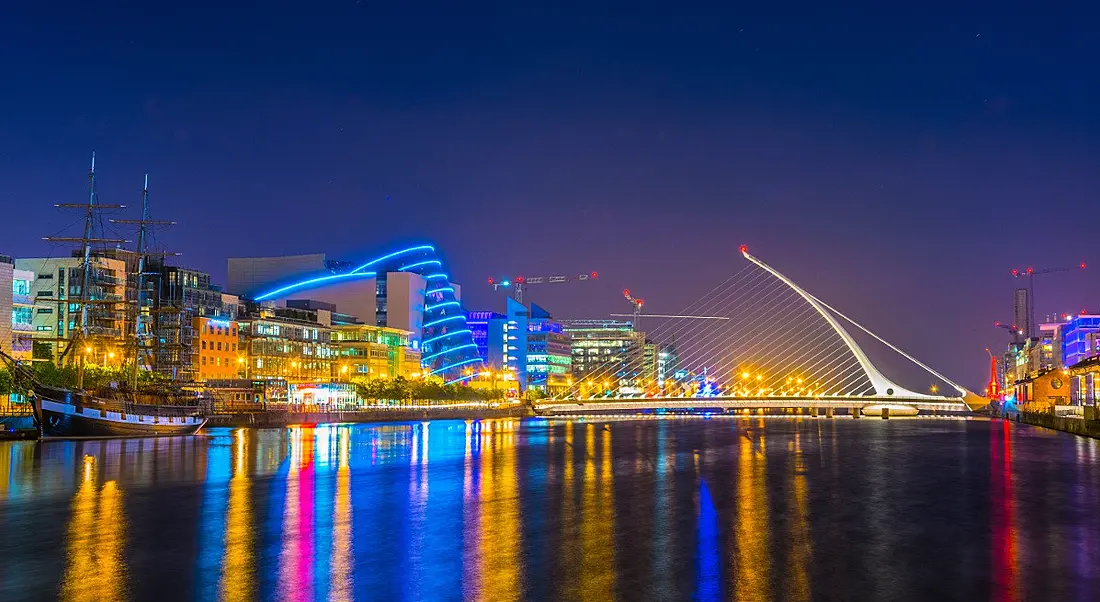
<point x="519" y="283"/>
<point x="1030" y="274"/>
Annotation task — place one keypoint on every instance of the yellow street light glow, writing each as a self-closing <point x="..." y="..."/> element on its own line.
<point x="745" y="375"/>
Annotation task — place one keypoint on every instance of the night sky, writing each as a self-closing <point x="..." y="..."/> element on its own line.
<point x="896" y="167"/>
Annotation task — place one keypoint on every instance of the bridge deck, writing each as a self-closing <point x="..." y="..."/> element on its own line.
<point x="947" y="404"/>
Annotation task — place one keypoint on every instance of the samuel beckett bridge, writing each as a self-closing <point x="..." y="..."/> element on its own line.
<point x="757" y="342"/>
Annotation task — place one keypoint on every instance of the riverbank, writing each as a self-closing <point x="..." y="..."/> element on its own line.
<point x="1076" y="426"/>
<point x="280" y="419"/>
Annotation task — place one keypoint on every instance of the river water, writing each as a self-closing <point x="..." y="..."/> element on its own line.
<point x="663" y="509"/>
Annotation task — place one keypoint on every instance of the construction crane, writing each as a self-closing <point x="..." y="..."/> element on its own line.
<point x="636" y="303"/>
<point x="1014" y="330"/>
<point x="1030" y="274"/>
<point x="637" y="314"/>
<point x="519" y="283"/>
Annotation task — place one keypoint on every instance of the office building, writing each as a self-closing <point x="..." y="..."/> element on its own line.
<point x="7" y="289"/>
<point x="57" y="315"/>
<point x="478" y="324"/>
<point x="608" y="351"/>
<point x="215" y="349"/>
<point x="1074" y="339"/>
<point x="366" y="351"/>
<point x="22" y="315"/>
<point x="549" y="353"/>
<point x="183" y="297"/>
<point x="286" y="343"/>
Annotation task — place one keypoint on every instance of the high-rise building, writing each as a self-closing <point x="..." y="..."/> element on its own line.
<point x="1021" y="311"/>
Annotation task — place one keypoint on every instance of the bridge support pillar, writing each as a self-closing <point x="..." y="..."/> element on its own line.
<point x="885" y="413"/>
<point x="856" y="413"/>
<point x="813" y="412"/>
<point x="829" y="412"/>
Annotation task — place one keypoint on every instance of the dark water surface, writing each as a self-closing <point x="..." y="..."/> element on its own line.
<point x="675" y="509"/>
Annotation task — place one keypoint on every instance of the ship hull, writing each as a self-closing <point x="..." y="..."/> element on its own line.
<point x="60" y="420"/>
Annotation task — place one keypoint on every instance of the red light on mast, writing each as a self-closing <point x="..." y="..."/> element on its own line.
<point x="1015" y="272"/>
<point x="595" y="274"/>
<point x="1082" y="265"/>
<point x="491" y="281"/>
<point x="1029" y="271"/>
<point x="519" y="279"/>
<point x="626" y="292"/>
<point x="744" y="248"/>
<point x="996" y="323"/>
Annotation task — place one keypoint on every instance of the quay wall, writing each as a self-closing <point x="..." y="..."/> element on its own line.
<point x="1077" y="426"/>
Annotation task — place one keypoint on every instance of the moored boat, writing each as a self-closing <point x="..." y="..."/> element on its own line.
<point x="60" y="413"/>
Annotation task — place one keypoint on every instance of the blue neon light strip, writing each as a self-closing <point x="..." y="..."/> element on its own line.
<point x="444" y="304"/>
<point x="439" y="353"/>
<point x="460" y="379"/>
<point x="420" y="263"/>
<point x="442" y="320"/>
<point x="305" y="283"/>
<point x="443" y="336"/>
<point x="436" y="276"/>
<point x="391" y="256"/>
<point x="463" y="363"/>
<point x="442" y="290"/>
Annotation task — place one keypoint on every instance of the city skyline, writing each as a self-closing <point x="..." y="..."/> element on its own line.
<point x="893" y="183"/>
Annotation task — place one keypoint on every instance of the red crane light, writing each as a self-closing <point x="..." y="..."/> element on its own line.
<point x="1082" y="265"/>
<point x="595" y="274"/>
<point x="519" y="279"/>
<point x="744" y="248"/>
<point x="491" y="281"/>
<point x="1030" y="271"/>
<point x="626" y="292"/>
<point x="1015" y="272"/>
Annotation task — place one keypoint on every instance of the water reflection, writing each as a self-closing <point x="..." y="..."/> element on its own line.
<point x="1005" y="577"/>
<point x="752" y="562"/>
<point x="237" y="561"/>
<point x="296" y="558"/>
<point x="341" y="584"/>
<point x="581" y="510"/>
<point x="97" y="535"/>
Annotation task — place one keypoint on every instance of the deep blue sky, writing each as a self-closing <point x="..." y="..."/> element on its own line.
<point x="896" y="166"/>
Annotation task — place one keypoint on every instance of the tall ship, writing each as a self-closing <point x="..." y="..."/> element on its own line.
<point x="70" y="407"/>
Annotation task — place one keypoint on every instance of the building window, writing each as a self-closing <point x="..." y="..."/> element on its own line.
<point x="204" y="344"/>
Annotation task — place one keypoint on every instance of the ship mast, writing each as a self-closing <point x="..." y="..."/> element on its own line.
<point x="142" y="251"/>
<point x="85" y="275"/>
<point x="86" y="241"/>
<point x="140" y="282"/>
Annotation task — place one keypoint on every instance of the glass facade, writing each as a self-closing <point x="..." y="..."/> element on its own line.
<point x="1075" y="339"/>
